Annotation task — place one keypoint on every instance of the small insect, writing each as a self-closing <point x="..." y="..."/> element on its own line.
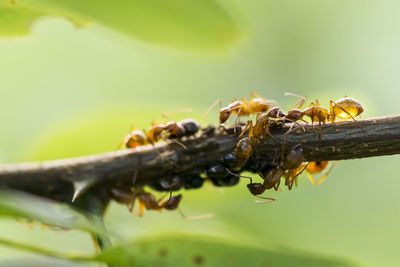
<point x="344" y="108"/>
<point x="221" y="176"/>
<point x="158" y="131"/>
<point x="242" y="108"/>
<point x="286" y="167"/>
<point x="146" y="200"/>
<point x="256" y="189"/>
<point x="246" y="146"/>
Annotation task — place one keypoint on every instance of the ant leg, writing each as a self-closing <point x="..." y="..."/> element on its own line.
<point x="124" y="141"/>
<point x="319" y="125"/>
<point x="311" y="178"/>
<point x="210" y="108"/>
<point x="236" y="119"/>
<point x="276" y="186"/>
<point x="333" y="116"/>
<point x="266" y="128"/>
<point x="252" y="94"/>
<point x="142" y="206"/>
<point x="326" y="174"/>
<point x="176" y="142"/>
<point x="349" y="115"/>
<point x="248" y="125"/>
<point x="317" y="102"/>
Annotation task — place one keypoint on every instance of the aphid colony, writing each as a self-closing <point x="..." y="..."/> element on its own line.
<point x="289" y="164"/>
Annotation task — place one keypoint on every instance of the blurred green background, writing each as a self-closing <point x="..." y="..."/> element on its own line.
<point x="67" y="91"/>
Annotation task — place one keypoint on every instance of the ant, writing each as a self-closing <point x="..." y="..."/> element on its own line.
<point x="343" y="108"/>
<point x="287" y="167"/>
<point x="242" y="108"/>
<point x="135" y="138"/>
<point x="245" y="146"/>
<point x="146" y="200"/>
<point x="256" y="189"/>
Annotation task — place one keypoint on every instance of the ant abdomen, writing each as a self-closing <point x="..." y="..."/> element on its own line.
<point x="172" y="203"/>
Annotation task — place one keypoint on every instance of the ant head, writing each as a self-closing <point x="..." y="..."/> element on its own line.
<point x="294" y="115"/>
<point x="224" y="114"/>
<point x="256" y="188"/>
<point x="172" y="203"/>
<point x="276" y="112"/>
<point x="294" y="158"/>
<point x="175" y="129"/>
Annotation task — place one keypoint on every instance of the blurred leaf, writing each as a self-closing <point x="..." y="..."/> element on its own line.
<point x="45" y="262"/>
<point x="190" y="25"/>
<point x="16" y="21"/>
<point x="97" y="131"/>
<point x="22" y="205"/>
<point x="180" y="250"/>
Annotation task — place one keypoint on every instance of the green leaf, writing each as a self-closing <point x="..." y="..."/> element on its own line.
<point x="42" y="262"/>
<point x="185" y="24"/>
<point x="180" y="250"/>
<point x="23" y="205"/>
<point x="16" y="21"/>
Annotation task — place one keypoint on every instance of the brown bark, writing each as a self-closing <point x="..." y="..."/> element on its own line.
<point x="339" y="141"/>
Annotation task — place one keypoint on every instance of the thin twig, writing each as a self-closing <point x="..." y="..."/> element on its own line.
<point x="55" y="179"/>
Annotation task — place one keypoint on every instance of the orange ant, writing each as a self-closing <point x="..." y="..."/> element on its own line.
<point x="242" y="108"/>
<point x="146" y="201"/>
<point x="135" y="138"/>
<point x="245" y="146"/>
<point x="343" y="108"/>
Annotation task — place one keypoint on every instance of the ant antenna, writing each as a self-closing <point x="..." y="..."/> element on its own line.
<point x="267" y="200"/>
<point x="197" y="217"/>
<point x="210" y="108"/>
<point x="300" y="103"/>
<point x="175" y="111"/>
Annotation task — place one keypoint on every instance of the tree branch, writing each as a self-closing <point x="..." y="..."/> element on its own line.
<point x="338" y="141"/>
